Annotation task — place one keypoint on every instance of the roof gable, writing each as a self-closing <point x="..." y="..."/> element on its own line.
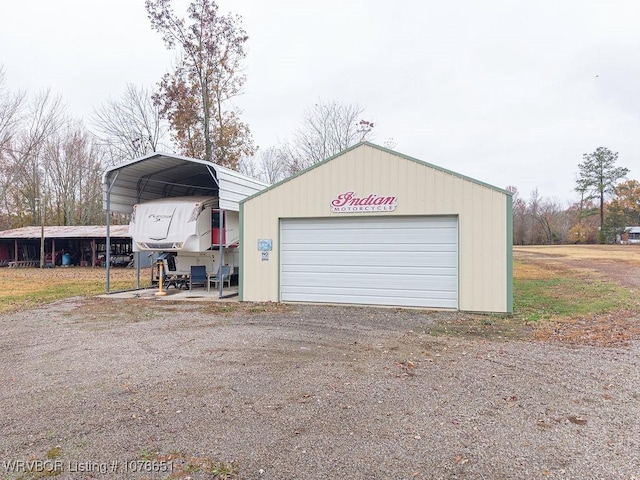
<point x="386" y="150"/>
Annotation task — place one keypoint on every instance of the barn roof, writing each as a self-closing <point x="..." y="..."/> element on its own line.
<point x="85" y="231"/>
<point x="160" y="175"/>
<point x="366" y="144"/>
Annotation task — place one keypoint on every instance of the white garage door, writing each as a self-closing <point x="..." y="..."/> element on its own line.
<point x="410" y="261"/>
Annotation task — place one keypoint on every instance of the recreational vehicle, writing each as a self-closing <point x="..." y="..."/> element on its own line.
<point x="187" y="231"/>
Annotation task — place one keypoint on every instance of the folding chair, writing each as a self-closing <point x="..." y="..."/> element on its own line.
<point x="223" y="275"/>
<point x="198" y="276"/>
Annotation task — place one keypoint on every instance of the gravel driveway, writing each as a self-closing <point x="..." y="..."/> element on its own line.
<point x="304" y="392"/>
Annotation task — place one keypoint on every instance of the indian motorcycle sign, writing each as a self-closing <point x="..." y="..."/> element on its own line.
<point x="348" y="202"/>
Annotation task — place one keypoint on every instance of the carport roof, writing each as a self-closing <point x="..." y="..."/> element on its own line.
<point x="160" y="175"/>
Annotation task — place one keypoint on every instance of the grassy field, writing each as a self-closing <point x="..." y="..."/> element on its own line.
<point x="575" y="292"/>
<point x="566" y="281"/>
<point x="28" y="287"/>
<point x="579" y="294"/>
<point x="584" y="252"/>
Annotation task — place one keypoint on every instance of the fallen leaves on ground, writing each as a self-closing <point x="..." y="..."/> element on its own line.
<point x="614" y="329"/>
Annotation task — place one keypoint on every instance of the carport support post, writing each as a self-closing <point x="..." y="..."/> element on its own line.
<point x="136" y="261"/>
<point x="221" y="233"/>
<point x="108" y="239"/>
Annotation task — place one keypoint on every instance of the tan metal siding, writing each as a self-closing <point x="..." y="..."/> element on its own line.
<point x="421" y="190"/>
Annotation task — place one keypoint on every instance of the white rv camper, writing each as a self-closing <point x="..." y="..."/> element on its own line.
<point x="188" y="231"/>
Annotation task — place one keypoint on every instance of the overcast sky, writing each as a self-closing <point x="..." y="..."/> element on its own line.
<point x="509" y="92"/>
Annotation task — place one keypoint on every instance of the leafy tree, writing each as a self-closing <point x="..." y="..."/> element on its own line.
<point x="616" y="220"/>
<point x="628" y="195"/>
<point x="581" y="233"/>
<point x="583" y="222"/>
<point x="598" y="176"/>
<point x="195" y="97"/>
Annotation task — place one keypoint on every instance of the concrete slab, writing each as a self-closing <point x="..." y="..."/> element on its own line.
<point x="179" y="294"/>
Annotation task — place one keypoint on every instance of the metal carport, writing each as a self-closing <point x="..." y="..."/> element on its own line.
<point x="161" y="175"/>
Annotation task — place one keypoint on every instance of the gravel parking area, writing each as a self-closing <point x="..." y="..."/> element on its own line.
<point x="305" y="392"/>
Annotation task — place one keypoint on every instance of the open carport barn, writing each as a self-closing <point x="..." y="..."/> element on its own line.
<point x="372" y="226"/>
<point x="162" y="175"/>
<point x="85" y="245"/>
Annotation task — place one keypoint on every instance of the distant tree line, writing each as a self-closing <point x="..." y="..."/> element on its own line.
<point x="50" y="166"/>
<point x="606" y="206"/>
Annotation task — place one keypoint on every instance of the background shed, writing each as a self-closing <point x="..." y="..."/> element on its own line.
<point x="85" y="245"/>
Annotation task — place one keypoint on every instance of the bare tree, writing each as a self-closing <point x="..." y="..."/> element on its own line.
<point x="272" y="164"/>
<point x="520" y="217"/>
<point x="268" y="165"/>
<point x="10" y="107"/>
<point x="73" y="169"/>
<point x="91" y="210"/>
<point x="131" y="126"/>
<point x="549" y="222"/>
<point x="326" y="129"/>
<point x="24" y="180"/>
<point x="249" y="166"/>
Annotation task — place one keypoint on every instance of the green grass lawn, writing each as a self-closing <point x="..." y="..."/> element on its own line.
<point x="567" y="295"/>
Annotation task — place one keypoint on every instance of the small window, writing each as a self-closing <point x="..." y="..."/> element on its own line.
<point x="215" y="219"/>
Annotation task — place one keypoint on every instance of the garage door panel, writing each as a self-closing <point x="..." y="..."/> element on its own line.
<point x="380" y="257"/>
<point x="368" y="292"/>
<point x="390" y="270"/>
<point x="364" y="236"/>
<point x="363" y="280"/>
<point x="411" y="261"/>
<point x="369" y="247"/>
<point x="432" y="302"/>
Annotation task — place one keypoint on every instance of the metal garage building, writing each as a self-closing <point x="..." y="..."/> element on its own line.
<point x="372" y="226"/>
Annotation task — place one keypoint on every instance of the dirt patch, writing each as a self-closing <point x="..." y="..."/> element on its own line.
<point x="287" y="392"/>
